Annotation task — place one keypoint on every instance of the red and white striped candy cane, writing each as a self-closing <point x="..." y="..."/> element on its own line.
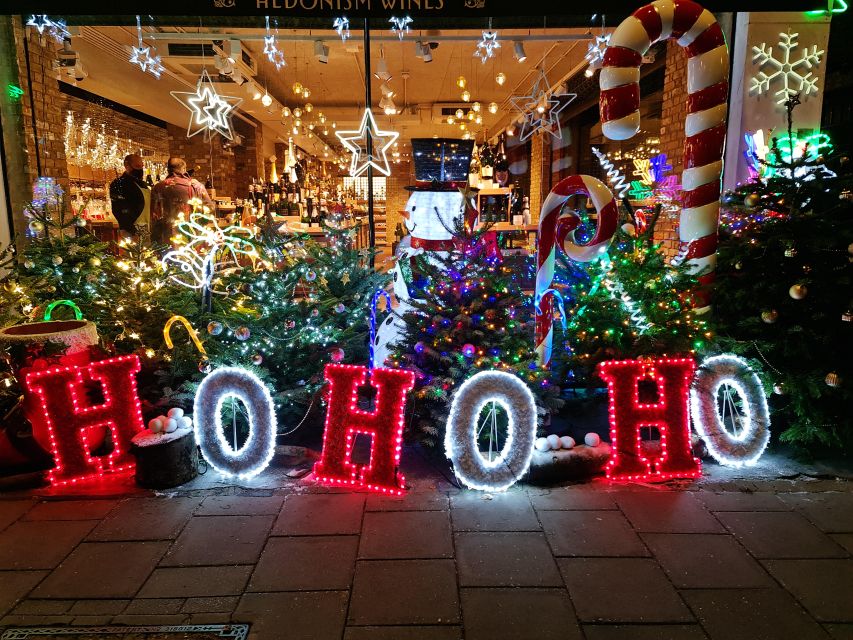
<point x="697" y="31"/>
<point x="558" y="229"/>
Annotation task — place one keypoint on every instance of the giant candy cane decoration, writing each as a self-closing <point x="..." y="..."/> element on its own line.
<point x="697" y="31"/>
<point x="558" y="229"/>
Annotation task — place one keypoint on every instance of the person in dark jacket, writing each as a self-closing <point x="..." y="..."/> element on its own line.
<point x="170" y="197"/>
<point x="131" y="196"/>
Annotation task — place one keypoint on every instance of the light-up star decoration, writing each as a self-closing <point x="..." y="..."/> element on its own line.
<point x="207" y="252"/>
<point x="400" y="26"/>
<point x="368" y="146"/>
<point x="341" y="25"/>
<point x="271" y="50"/>
<point x="595" y="51"/>
<point x="141" y="55"/>
<point x="55" y="28"/>
<point x="540" y="109"/>
<point x="210" y="111"/>
<point x="486" y="47"/>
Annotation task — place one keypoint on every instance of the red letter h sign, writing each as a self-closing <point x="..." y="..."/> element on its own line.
<point x="76" y="426"/>
<point x="384" y="425"/>
<point x="669" y="415"/>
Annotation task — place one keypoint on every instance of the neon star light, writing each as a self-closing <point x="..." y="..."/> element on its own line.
<point x="141" y="55"/>
<point x="540" y="109"/>
<point x="271" y="50"/>
<point x="794" y="74"/>
<point x="487" y="45"/>
<point x="400" y="26"/>
<point x="460" y="441"/>
<point x="595" y="51"/>
<point x="210" y="111"/>
<point x="341" y="25"/>
<point x="368" y="145"/>
<point x="208" y="250"/>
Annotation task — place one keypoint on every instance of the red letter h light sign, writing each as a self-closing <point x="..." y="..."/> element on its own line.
<point x="384" y="425"/>
<point x="669" y="415"/>
<point x="76" y="426"/>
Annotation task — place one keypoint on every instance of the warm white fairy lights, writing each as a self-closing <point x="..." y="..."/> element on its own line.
<point x="460" y="442"/>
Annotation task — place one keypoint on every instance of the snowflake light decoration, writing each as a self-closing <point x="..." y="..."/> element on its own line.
<point x="486" y="47"/>
<point x="56" y="28"/>
<point x="341" y="25"/>
<point x="400" y="26"/>
<point x="141" y="55"/>
<point x="794" y="74"/>
<point x="210" y="111"/>
<point x="659" y="167"/>
<point x="540" y="109"/>
<point x="271" y="50"/>
<point x="208" y="250"/>
<point x="643" y="170"/>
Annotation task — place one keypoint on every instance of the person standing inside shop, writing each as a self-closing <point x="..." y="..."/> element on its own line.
<point x="170" y="197"/>
<point x="130" y="196"/>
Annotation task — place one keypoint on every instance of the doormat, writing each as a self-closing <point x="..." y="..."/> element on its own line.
<point x="161" y="632"/>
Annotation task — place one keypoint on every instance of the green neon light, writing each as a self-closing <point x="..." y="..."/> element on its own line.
<point x="15" y="92"/>
<point x="810" y="146"/>
<point x="639" y="191"/>
<point x="48" y="312"/>
<point x="837" y="6"/>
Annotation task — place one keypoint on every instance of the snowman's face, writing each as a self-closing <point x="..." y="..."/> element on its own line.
<point x="427" y="210"/>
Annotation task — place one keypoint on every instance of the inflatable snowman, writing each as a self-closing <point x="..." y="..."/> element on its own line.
<point x="433" y="211"/>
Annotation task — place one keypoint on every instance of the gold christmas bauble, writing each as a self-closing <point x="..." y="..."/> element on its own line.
<point x="798" y="291"/>
<point x="770" y="316"/>
<point x="95" y="261"/>
<point x="752" y="200"/>
<point x="832" y="379"/>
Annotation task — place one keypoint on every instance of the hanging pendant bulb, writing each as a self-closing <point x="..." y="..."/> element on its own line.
<point x="459" y="113"/>
<point x="466" y="96"/>
<point x="461" y="82"/>
<point x="476" y="107"/>
<point x="500" y="78"/>
<point x="297" y="88"/>
<point x="493" y="107"/>
<point x="309" y="107"/>
<point x="297" y="112"/>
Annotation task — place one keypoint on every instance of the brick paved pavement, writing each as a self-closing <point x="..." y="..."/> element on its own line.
<point x="715" y="559"/>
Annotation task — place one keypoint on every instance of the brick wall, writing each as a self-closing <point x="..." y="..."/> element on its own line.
<point x="538" y="172"/>
<point x="673" y="113"/>
<point x="198" y="152"/>
<point x="248" y="158"/>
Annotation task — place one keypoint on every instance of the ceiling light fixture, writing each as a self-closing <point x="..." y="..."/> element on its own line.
<point x="266" y="100"/>
<point x="518" y="48"/>
<point x="321" y="52"/>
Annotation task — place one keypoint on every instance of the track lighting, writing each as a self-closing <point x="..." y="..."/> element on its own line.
<point x="518" y="48"/>
<point x="387" y="91"/>
<point x="321" y="51"/>
<point x="381" y="72"/>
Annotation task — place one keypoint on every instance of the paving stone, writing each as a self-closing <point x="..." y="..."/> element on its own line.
<point x="146" y="519"/>
<point x="34" y="621"/>
<point x="318" y="514"/>
<point x="510" y="559"/>
<point x="151" y="619"/>
<point x="186" y="582"/>
<point x="751" y="614"/>
<point x="591" y="533"/>
<point x="98" y="607"/>
<point x="213" y="540"/>
<point x="221" y="604"/>
<point x="844" y="539"/>
<point x="510" y="511"/>
<point x="667" y="512"/>
<point x="43" y="607"/>
<point x="622" y="590"/>
<point x="209" y="617"/>
<point x="839" y="631"/>
<point x="103" y="570"/>
<point x="40" y="545"/>
<point x="644" y="632"/>
<point x="240" y="506"/>
<point x="14" y="585"/>
<point x="71" y="510"/>
<point x="831" y="512"/>
<point x="11" y="510"/>
<point x="742" y="501"/>
<point x="302" y="615"/>
<point x="565" y="498"/>
<point x="404" y="592"/>
<point x="709" y="561"/>
<point x="92" y="621"/>
<point x="155" y="606"/>
<point x="518" y="614"/>
<point x="405" y="534"/>
<point x="434" y="632"/>
<point x="306" y="563"/>
<point x="823" y="587"/>
<point x="412" y="501"/>
<point x="780" y="535"/>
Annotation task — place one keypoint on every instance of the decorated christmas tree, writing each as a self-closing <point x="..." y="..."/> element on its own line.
<point x="783" y="290"/>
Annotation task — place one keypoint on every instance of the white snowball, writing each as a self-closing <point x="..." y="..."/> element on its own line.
<point x="553" y="441"/>
<point x="176" y="413"/>
<point x="592" y="439"/>
<point x="171" y="425"/>
<point x="567" y="442"/>
<point x="541" y="444"/>
<point x="185" y="422"/>
<point x="156" y="425"/>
